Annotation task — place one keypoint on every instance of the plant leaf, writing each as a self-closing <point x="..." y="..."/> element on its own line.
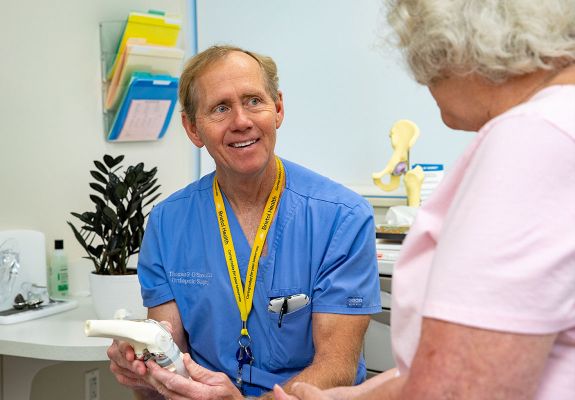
<point x="86" y="217"/>
<point x="118" y="159"/>
<point x="114" y="231"/>
<point x="77" y="234"/>
<point x="99" y="177"/>
<point x="109" y="161"/>
<point x="108" y="212"/>
<point x="151" y="200"/>
<point x="98" y="201"/>
<point x="151" y="191"/>
<point x="101" y="167"/>
<point x="98" y="188"/>
<point x="121" y="190"/>
<point x="130" y="177"/>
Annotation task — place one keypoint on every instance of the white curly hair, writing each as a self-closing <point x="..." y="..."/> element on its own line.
<point x="496" y="39"/>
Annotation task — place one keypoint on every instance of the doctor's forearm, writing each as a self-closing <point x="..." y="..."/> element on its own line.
<point x="337" y="340"/>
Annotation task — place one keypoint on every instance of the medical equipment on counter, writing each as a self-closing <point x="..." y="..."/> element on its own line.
<point x="403" y="135"/>
<point x="149" y="338"/>
<point x="23" y="278"/>
<point x="9" y="269"/>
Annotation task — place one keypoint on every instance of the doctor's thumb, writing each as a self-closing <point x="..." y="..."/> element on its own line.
<point x="196" y="371"/>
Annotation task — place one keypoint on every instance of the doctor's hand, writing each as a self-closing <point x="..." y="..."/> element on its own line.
<point x="203" y="384"/>
<point x="128" y="370"/>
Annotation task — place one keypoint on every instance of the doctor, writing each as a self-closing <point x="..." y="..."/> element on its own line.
<point x="265" y="270"/>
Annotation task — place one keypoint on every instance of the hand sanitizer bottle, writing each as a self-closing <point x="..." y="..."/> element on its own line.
<point x="58" y="271"/>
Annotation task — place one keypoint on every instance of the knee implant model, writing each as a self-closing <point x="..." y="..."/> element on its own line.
<point x="403" y="135"/>
<point x="149" y="339"/>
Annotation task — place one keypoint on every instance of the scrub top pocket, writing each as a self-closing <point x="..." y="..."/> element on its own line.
<point x="292" y="344"/>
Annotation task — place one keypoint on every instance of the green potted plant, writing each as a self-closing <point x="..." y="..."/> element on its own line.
<point x="112" y="232"/>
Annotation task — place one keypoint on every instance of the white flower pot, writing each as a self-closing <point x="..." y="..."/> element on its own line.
<point x="117" y="293"/>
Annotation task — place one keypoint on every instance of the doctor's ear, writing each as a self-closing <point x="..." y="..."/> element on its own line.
<point x="192" y="130"/>
<point x="279" y="109"/>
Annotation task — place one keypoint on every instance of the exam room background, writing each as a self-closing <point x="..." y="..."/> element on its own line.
<point x="341" y="95"/>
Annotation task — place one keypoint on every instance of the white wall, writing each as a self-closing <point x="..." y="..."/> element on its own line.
<point x="50" y="113"/>
<point x="342" y="94"/>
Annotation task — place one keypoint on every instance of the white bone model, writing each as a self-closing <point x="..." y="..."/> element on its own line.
<point x="149" y="339"/>
<point x="403" y="135"/>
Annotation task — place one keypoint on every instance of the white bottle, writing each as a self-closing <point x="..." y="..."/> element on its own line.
<point x="58" y="271"/>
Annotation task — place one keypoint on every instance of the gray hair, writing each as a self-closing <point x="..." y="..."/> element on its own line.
<point x="201" y="61"/>
<point x="496" y="39"/>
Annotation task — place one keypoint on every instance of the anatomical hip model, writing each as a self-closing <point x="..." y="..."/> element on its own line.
<point x="403" y="135"/>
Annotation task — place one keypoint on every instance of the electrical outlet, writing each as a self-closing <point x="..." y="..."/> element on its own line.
<point x="92" y="385"/>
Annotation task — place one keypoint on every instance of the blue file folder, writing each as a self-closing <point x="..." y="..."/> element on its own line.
<point x="146" y="108"/>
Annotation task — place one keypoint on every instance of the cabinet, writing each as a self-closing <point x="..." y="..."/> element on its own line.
<point x="27" y="348"/>
<point x="377" y="343"/>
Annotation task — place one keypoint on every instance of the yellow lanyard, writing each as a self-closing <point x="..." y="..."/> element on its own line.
<point x="244" y="298"/>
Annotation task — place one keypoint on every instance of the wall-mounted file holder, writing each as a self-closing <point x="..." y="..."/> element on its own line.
<point x="140" y="69"/>
<point x="146" y="108"/>
<point x="139" y="57"/>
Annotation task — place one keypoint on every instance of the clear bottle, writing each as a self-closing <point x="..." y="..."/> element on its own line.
<point x="58" y="271"/>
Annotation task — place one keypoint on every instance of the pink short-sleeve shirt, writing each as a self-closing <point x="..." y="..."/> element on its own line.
<point x="494" y="247"/>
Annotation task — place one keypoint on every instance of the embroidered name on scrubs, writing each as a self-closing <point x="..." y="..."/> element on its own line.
<point x="355" y="302"/>
<point x="244" y="297"/>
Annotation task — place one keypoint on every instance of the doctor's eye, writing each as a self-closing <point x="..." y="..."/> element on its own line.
<point x="220" y="108"/>
<point x="254" y="101"/>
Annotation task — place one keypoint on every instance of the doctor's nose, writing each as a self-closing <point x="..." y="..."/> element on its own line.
<point x="241" y="120"/>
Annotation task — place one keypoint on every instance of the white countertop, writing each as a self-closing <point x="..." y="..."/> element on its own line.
<point x="57" y="337"/>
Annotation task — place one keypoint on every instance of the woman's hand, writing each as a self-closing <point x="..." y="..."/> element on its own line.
<point x="305" y="391"/>
<point x="302" y="391"/>
<point x="202" y="384"/>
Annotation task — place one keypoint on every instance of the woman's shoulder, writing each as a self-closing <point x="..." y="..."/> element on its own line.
<point x="554" y="106"/>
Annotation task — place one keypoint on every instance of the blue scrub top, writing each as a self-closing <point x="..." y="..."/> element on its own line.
<point x="321" y="243"/>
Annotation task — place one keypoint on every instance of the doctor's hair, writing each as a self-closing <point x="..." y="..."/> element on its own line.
<point x="198" y="64"/>
<point x="496" y="39"/>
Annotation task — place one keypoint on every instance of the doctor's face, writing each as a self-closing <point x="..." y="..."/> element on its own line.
<point x="236" y="118"/>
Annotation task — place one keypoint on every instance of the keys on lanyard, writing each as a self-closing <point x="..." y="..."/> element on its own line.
<point x="244" y="356"/>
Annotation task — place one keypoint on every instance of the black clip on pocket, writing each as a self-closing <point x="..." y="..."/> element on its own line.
<point x="283" y="311"/>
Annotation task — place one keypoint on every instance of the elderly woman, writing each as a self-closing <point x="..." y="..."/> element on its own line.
<point x="484" y="290"/>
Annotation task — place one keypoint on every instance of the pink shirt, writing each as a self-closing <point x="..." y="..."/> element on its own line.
<point x="494" y="246"/>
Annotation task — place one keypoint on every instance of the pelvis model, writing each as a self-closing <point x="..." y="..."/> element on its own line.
<point x="403" y="135"/>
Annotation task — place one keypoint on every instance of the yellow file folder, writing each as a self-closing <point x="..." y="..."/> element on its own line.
<point x="141" y="57"/>
<point x="154" y="28"/>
